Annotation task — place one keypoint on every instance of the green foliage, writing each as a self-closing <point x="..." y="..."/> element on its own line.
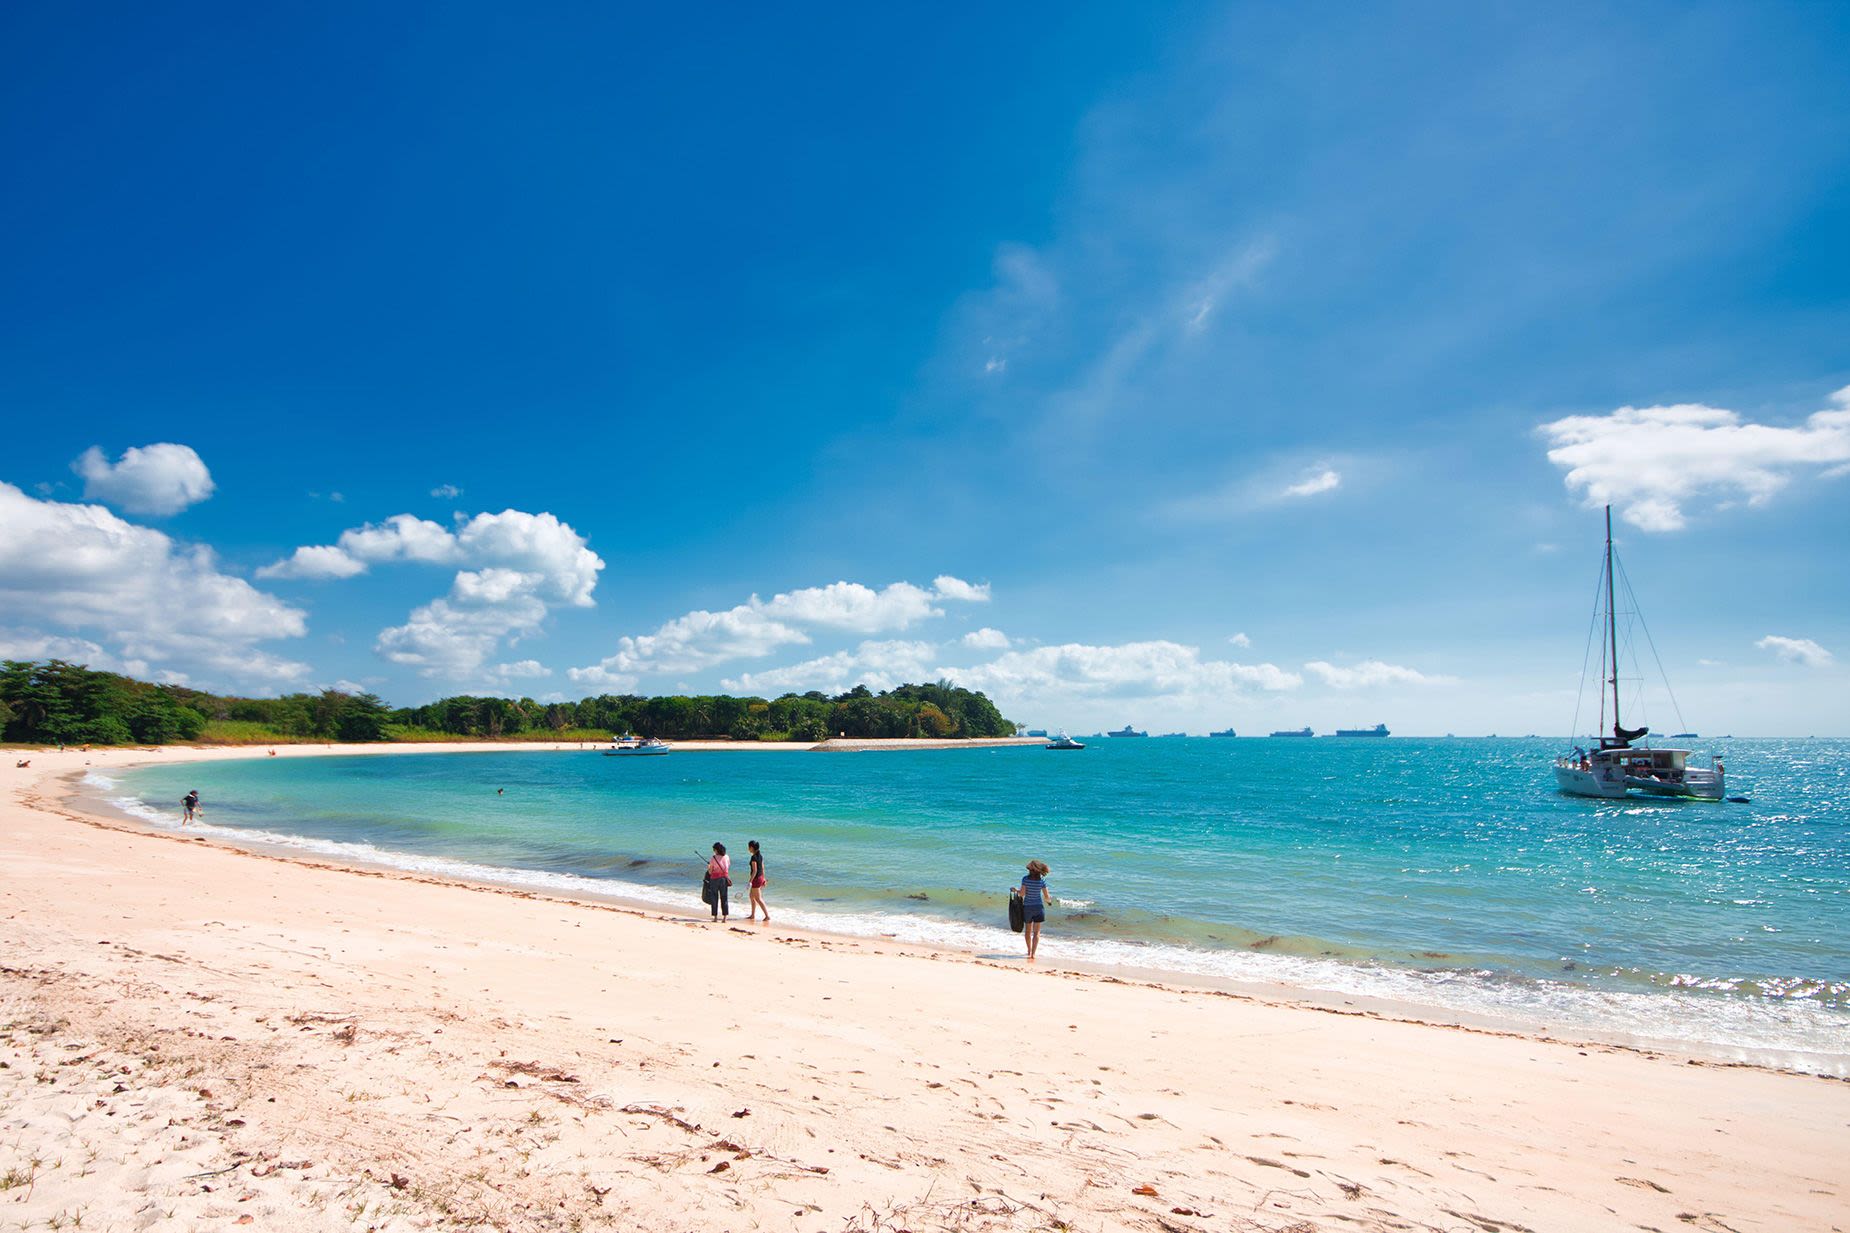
<point x="58" y="701"/>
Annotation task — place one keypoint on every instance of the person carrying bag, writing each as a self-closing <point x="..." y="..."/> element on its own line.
<point x="718" y="880"/>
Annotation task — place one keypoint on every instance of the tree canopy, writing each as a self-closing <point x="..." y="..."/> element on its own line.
<point x="59" y="702"/>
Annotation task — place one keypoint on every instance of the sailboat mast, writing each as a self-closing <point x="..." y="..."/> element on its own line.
<point x="1612" y="627"/>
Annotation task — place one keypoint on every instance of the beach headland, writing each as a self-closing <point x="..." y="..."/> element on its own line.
<point x="196" y="1035"/>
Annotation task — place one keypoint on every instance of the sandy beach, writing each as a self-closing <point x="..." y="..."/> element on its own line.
<point x="193" y="1036"/>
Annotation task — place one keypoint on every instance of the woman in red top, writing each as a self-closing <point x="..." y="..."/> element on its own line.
<point x="719" y="877"/>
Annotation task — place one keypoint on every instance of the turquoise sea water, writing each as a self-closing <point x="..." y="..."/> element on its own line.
<point x="1447" y="873"/>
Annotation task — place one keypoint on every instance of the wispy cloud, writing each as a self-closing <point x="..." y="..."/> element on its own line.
<point x="1371" y="673"/>
<point x="1801" y="651"/>
<point x="1240" y="640"/>
<point x="446" y="492"/>
<point x="1654" y="462"/>
<point x="1278" y="483"/>
<point x="1326" y="480"/>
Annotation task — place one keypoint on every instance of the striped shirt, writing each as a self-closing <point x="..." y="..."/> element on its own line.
<point x="1033" y="892"/>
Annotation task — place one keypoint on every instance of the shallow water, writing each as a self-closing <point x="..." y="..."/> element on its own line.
<point x="1446" y="873"/>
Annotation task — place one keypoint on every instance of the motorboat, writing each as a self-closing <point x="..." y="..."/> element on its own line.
<point x="1063" y="741"/>
<point x="1626" y="763"/>
<point x="632" y="747"/>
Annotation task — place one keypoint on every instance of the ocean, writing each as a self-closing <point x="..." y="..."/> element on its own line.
<point x="1442" y="873"/>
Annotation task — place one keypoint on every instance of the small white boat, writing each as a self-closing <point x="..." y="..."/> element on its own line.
<point x="631" y="747"/>
<point x="1063" y="741"/>
<point x="1618" y="767"/>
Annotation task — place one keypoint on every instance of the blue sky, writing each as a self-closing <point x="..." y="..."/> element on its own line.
<point x="1185" y="366"/>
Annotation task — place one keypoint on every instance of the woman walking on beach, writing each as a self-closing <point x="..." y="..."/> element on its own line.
<point x="1033" y="892"/>
<point x="758" y="880"/>
<point x="719" y="879"/>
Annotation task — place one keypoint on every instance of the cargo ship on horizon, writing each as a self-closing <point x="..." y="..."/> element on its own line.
<point x="1377" y="730"/>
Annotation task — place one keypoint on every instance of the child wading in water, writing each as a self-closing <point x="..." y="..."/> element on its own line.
<point x="1033" y="892"/>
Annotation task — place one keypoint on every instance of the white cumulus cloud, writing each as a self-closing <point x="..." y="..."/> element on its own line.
<point x="757" y="627"/>
<point x="1802" y="651"/>
<point x="986" y="639"/>
<point x="512" y="567"/>
<point x="1370" y="673"/>
<point x="1240" y="640"/>
<point x="1047" y="675"/>
<point x="155" y="479"/>
<point x="1654" y="462"/>
<point x="877" y="665"/>
<point x="314" y="561"/>
<point x="80" y="576"/>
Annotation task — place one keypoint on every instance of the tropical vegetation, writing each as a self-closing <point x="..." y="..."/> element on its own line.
<point x="57" y="702"/>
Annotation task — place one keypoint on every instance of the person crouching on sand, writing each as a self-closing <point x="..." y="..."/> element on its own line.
<point x="719" y="878"/>
<point x="758" y="881"/>
<point x="1033" y="905"/>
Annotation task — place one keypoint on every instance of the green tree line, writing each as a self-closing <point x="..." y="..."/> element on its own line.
<point x="59" y="702"/>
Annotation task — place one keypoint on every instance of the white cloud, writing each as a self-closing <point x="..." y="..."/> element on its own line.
<point x="1240" y="640"/>
<point x="986" y="639"/>
<point x="1652" y="462"/>
<point x="402" y="537"/>
<point x="453" y="637"/>
<point x="1326" y="480"/>
<point x="700" y="639"/>
<point x="524" y="669"/>
<point x="1279" y="482"/>
<point x="1370" y="673"/>
<point x="314" y="561"/>
<point x="34" y="645"/>
<point x="1075" y="672"/>
<point x="515" y="566"/>
<point x="951" y="588"/>
<point x="1802" y="651"/>
<point x="446" y="492"/>
<point x="877" y="665"/>
<point x="853" y="607"/>
<point x="157" y="606"/>
<point x="150" y="479"/>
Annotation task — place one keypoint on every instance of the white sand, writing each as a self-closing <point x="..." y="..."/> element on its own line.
<point x="197" y="1037"/>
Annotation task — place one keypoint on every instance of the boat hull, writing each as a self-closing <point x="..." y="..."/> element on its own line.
<point x="1576" y="782"/>
<point x="1691" y="791"/>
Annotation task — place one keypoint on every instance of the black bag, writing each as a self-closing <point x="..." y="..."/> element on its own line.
<point x="708" y="894"/>
<point x="1018" y="913"/>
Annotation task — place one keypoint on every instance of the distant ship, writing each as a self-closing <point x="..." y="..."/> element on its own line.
<point x="1037" y="732"/>
<point x="1294" y="732"/>
<point x="1224" y="732"/>
<point x="1063" y="741"/>
<point x="1684" y="736"/>
<point x="1377" y="730"/>
<point x="1127" y="730"/>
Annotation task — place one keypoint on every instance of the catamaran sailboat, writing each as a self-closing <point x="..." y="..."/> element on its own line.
<point x="1619" y="767"/>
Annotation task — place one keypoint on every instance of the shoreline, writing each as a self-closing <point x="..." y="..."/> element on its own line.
<point x="1502" y="1020"/>
<point x="194" y="1032"/>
